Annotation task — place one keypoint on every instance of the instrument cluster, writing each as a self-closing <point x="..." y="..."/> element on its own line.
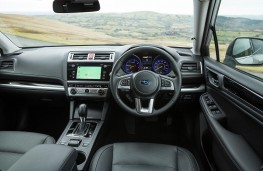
<point x="155" y="63"/>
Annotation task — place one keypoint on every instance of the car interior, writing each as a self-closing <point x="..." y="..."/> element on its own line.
<point x="138" y="106"/>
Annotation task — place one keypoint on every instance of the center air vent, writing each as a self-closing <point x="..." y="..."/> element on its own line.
<point x="191" y="67"/>
<point x="83" y="56"/>
<point x="91" y="56"/>
<point x="7" y="65"/>
<point x="102" y="56"/>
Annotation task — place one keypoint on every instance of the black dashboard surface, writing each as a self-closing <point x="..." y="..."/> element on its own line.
<point x="48" y="65"/>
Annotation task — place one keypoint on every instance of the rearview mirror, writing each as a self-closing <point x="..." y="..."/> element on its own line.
<point x="73" y="6"/>
<point x="245" y="51"/>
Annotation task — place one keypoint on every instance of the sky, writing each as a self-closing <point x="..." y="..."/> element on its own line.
<point x="228" y="7"/>
<point x="162" y="6"/>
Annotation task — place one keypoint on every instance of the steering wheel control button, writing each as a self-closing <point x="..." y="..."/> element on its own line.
<point x="125" y="82"/>
<point x="166" y="83"/>
<point x="146" y="83"/>
<point x="163" y="83"/>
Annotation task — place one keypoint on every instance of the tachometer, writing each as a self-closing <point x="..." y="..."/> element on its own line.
<point x="161" y="66"/>
<point x="132" y="65"/>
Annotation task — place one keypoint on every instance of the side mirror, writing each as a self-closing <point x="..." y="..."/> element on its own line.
<point x="73" y="6"/>
<point x="245" y="51"/>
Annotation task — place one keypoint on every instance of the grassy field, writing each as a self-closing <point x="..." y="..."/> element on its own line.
<point x="48" y="30"/>
<point x="54" y="31"/>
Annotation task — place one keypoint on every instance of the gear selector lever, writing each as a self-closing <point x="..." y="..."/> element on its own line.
<point x="83" y="126"/>
<point x="82" y="114"/>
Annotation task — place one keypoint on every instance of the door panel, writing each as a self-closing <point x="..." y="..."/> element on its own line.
<point x="233" y="110"/>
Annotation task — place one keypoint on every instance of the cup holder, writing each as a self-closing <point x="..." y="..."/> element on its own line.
<point x="81" y="158"/>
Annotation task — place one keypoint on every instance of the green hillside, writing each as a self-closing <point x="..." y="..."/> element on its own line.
<point x="151" y="26"/>
<point x="239" y="24"/>
<point x="136" y="25"/>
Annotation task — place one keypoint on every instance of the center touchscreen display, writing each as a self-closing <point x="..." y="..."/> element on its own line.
<point x="89" y="72"/>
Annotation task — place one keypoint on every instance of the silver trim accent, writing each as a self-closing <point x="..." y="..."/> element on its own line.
<point x="71" y="54"/>
<point x="73" y="134"/>
<point x="199" y="89"/>
<point x="143" y="110"/>
<point x="201" y="68"/>
<point x="87" y="82"/>
<point x="124" y="87"/>
<point x="34" y="86"/>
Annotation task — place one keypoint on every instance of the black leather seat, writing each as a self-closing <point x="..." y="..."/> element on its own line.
<point x="14" y="144"/>
<point x="143" y="157"/>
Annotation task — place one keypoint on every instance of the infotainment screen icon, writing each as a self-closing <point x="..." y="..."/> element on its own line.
<point x="89" y="72"/>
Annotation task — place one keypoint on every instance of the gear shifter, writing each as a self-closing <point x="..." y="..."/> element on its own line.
<point x="82" y="113"/>
<point x="82" y="116"/>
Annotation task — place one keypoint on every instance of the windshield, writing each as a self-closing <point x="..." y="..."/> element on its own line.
<point x="33" y="23"/>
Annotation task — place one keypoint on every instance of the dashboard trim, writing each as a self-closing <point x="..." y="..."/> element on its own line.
<point x="199" y="89"/>
<point x="50" y="87"/>
<point x="33" y="86"/>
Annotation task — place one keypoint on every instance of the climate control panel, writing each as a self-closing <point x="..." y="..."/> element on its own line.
<point x="87" y="90"/>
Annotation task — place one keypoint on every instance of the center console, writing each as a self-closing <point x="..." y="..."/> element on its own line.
<point x="87" y="80"/>
<point x="88" y="73"/>
<point x="86" y="120"/>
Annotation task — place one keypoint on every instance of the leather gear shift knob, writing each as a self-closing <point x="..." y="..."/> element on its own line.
<point x="82" y="110"/>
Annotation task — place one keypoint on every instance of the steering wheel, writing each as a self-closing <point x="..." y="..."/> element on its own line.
<point x="145" y="84"/>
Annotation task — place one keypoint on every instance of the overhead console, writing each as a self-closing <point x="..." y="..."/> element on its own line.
<point x="88" y="73"/>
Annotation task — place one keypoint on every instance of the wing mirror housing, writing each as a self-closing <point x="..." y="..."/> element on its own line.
<point x="245" y="51"/>
<point x="74" y="6"/>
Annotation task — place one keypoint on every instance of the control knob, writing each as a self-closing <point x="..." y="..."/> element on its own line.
<point x="73" y="91"/>
<point x="101" y="92"/>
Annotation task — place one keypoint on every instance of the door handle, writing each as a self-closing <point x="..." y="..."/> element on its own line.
<point x="213" y="78"/>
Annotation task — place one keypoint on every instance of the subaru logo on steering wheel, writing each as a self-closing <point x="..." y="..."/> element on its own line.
<point x="145" y="82"/>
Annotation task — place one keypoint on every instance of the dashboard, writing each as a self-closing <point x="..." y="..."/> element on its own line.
<point x="84" y="71"/>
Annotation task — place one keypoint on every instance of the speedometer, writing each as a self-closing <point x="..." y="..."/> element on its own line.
<point x="161" y="66"/>
<point x="132" y="65"/>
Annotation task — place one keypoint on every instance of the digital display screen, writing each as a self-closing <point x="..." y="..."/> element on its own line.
<point x="89" y="72"/>
<point x="147" y="59"/>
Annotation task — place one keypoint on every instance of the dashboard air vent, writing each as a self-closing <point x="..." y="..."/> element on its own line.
<point x="102" y="56"/>
<point x="190" y="67"/>
<point x="80" y="56"/>
<point x="7" y="65"/>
